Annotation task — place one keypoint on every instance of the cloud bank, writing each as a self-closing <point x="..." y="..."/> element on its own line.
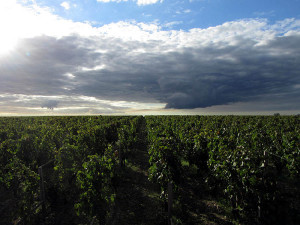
<point x="132" y="65"/>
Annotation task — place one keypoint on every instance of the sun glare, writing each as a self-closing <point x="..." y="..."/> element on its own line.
<point x="19" y="21"/>
<point x="9" y="19"/>
<point x="7" y="44"/>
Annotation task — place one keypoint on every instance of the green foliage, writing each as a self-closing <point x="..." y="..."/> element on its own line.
<point x="83" y="149"/>
<point x="249" y="160"/>
<point x="94" y="181"/>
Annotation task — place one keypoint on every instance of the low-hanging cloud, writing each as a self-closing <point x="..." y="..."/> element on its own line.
<point x="50" y="104"/>
<point x="239" y="61"/>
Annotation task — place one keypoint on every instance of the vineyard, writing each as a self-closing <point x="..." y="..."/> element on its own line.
<point x="150" y="170"/>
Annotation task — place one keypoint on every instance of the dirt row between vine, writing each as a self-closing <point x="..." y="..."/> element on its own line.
<point x="138" y="200"/>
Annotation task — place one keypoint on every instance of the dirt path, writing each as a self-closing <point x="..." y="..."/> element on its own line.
<point x="197" y="207"/>
<point x="137" y="199"/>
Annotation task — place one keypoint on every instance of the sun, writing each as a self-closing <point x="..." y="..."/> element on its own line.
<point x="22" y="19"/>
<point x="9" y="19"/>
<point x="7" y="44"/>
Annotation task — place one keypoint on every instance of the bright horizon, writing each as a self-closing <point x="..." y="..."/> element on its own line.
<point x="144" y="57"/>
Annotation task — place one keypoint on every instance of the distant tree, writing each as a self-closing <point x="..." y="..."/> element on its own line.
<point x="276" y="114"/>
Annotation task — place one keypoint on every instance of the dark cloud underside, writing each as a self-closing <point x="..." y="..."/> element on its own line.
<point x="183" y="77"/>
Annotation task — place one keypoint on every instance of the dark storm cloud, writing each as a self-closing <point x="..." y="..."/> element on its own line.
<point x="188" y="80"/>
<point x="184" y="73"/>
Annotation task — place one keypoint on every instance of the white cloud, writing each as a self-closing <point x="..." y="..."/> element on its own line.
<point x="100" y="67"/>
<point x="65" y="5"/>
<point x="148" y="2"/>
<point x="106" y="1"/>
<point x="139" y="2"/>
<point x="34" y="19"/>
<point x="185" y="11"/>
<point x="172" y="24"/>
<point x="18" y="22"/>
<point x="69" y="75"/>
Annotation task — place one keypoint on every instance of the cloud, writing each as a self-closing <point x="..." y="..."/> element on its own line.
<point x="50" y="104"/>
<point x="183" y="11"/>
<point x="106" y="1"/>
<point x="172" y="24"/>
<point x="148" y="2"/>
<point x="264" y="14"/>
<point x="197" y="1"/>
<point x="65" y="5"/>
<point x="139" y="2"/>
<point x="40" y="104"/>
<point x="130" y="65"/>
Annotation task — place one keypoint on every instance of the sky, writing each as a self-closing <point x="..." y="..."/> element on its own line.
<point x="141" y="57"/>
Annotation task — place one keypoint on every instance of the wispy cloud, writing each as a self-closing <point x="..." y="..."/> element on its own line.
<point x="148" y="2"/>
<point x="65" y="5"/>
<point x="139" y="2"/>
<point x="264" y="14"/>
<point x="106" y="1"/>
<point x="183" y="11"/>
<point x="172" y="24"/>
<point x="197" y="1"/>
